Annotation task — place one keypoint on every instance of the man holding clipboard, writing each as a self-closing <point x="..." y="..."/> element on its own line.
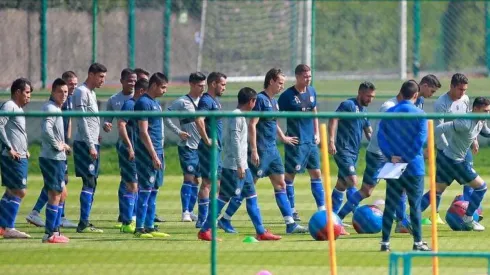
<point x="402" y="141"/>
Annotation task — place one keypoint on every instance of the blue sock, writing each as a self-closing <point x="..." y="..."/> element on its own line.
<point x="4" y="205"/>
<point x="51" y="218"/>
<point x="143" y="197"/>
<point x="221" y="201"/>
<point x="86" y="198"/>
<point x="318" y="192"/>
<point x="337" y="199"/>
<point x="254" y="214"/>
<point x="203" y="208"/>
<point x="193" y="199"/>
<point x="127" y="206"/>
<point x="283" y="204"/>
<point x="152" y="209"/>
<point x="350" y="191"/>
<point x="467" y="191"/>
<point x="135" y="207"/>
<point x="401" y="209"/>
<point x="476" y="199"/>
<point x="42" y="200"/>
<point x="351" y="204"/>
<point x="120" y="193"/>
<point x="233" y="206"/>
<point x="290" y="193"/>
<point x="61" y="210"/>
<point x="13" y="209"/>
<point x="426" y="201"/>
<point x="185" y="195"/>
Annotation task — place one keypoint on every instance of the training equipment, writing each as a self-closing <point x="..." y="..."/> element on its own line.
<point x="367" y="219"/>
<point x="455" y="213"/>
<point x="318" y="226"/>
<point x="479" y="211"/>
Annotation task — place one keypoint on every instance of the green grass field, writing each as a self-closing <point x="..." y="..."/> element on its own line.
<point x="117" y="253"/>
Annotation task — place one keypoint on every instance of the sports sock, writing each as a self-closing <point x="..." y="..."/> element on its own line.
<point x="41" y="201"/>
<point x="351" y="204"/>
<point x="13" y="209"/>
<point x="254" y="214"/>
<point x="290" y="192"/>
<point x="467" y="191"/>
<point x="185" y="195"/>
<point x="401" y="209"/>
<point x="426" y="201"/>
<point x="203" y="208"/>
<point x="318" y="192"/>
<point x="61" y="210"/>
<point x="135" y="207"/>
<point x="86" y="198"/>
<point x="221" y="202"/>
<point x="120" y="194"/>
<point x="127" y="206"/>
<point x="476" y="199"/>
<point x="193" y="198"/>
<point x="4" y="205"/>
<point x="233" y="206"/>
<point x="143" y="197"/>
<point x="51" y="218"/>
<point x="337" y="199"/>
<point x="284" y="206"/>
<point x="152" y="209"/>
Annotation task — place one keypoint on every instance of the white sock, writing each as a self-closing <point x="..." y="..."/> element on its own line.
<point x="289" y="220"/>
<point x="226" y="216"/>
<point x="321" y="208"/>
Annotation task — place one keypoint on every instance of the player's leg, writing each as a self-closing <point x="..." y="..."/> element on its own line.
<point x="394" y="191"/>
<point x="205" y="188"/>
<point x="157" y="182"/>
<point x="346" y="180"/>
<point x="194" y="194"/>
<point x="446" y="173"/>
<point x="145" y="172"/>
<point x="66" y="223"/>
<point x="313" y="166"/>
<point x="129" y="193"/>
<point x="479" y="189"/>
<point x="14" y="176"/>
<point x="294" y="162"/>
<point x="467" y="190"/>
<point x="34" y="216"/>
<point x="414" y="187"/>
<point x="189" y="163"/>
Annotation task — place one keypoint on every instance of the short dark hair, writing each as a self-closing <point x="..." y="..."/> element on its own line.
<point x="57" y="83"/>
<point x="481" y="102"/>
<point x="97" y="68"/>
<point x="245" y="95"/>
<point x="272" y="74"/>
<point x="409" y="89"/>
<point x="20" y="84"/>
<point x="126" y="73"/>
<point x="431" y="81"/>
<point x="142" y="71"/>
<point x="215" y="76"/>
<point x="366" y="86"/>
<point x="158" y="78"/>
<point x="458" y="79"/>
<point x="301" y="68"/>
<point x="196" y="77"/>
<point x="141" y="84"/>
<point x="68" y="75"/>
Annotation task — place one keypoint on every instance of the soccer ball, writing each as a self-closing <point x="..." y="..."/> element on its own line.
<point x="368" y="219"/>
<point x="479" y="211"/>
<point x="455" y="213"/>
<point x="318" y="226"/>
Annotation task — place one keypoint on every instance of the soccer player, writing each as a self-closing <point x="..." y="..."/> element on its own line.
<point x="34" y="217"/>
<point x="149" y="157"/>
<point x="344" y="143"/>
<point x="453" y="164"/>
<point x="142" y="73"/>
<point x="86" y="143"/>
<point x="402" y="141"/>
<point x="189" y="141"/>
<point x="264" y="159"/>
<point x="126" y="154"/>
<point x="13" y="161"/>
<point x="115" y="102"/>
<point x="302" y="98"/>
<point x="237" y="178"/>
<point x="209" y="102"/>
<point x="375" y="159"/>
<point x="52" y="162"/>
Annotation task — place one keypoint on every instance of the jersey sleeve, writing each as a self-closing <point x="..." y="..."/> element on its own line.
<point x="259" y="104"/>
<point x="204" y="105"/>
<point x="109" y="108"/>
<point x="345" y="106"/>
<point x="177" y="105"/>
<point x="313" y="94"/>
<point x="3" y="123"/>
<point x="462" y="125"/>
<point x="142" y="106"/>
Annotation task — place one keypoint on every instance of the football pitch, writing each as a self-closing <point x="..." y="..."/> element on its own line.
<point x="116" y="253"/>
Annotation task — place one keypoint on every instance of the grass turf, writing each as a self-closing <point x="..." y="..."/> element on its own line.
<point x="117" y="253"/>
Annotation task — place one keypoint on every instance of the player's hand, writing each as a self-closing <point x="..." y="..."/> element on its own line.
<point x="254" y="157"/>
<point x="241" y="172"/>
<point x="331" y="148"/>
<point x="131" y="154"/>
<point x="93" y="153"/>
<point x="100" y="139"/>
<point x="291" y="140"/>
<point x="317" y="139"/>
<point x="396" y="159"/>
<point x="157" y="164"/>
<point x="28" y="155"/>
<point x="66" y="148"/>
<point x="107" y="127"/>
<point x="14" y="155"/>
<point x="475" y="147"/>
<point x="208" y="142"/>
<point x="184" y="135"/>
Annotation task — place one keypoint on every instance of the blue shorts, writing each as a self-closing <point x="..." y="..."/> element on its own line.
<point x="232" y="186"/>
<point x="204" y="153"/>
<point x="374" y="163"/>
<point x="346" y="164"/>
<point x="189" y="161"/>
<point x="149" y="177"/>
<point x="85" y="166"/>
<point x="14" y="172"/>
<point x="66" y="167"/>
<point x="270" y="163"/>
<point x="301" y="156"/>
<point x="53" y="172"/>
<point x="127" y="168"/>
<point x="449" y="170"/>
<point x="469" y="158"/>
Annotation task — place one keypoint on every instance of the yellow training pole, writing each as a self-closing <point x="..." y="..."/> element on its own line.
<point x="433" y="207"/>
<point x="328" y="198"/>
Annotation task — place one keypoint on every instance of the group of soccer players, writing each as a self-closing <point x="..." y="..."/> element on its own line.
<point x="246" y="152"/>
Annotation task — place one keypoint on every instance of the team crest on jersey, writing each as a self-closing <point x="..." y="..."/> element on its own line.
<point x="238" y="191"/>
<point x="63" y="184"/>
<point x="357" y="109"/>
<point x="190" y="168"/>
<point x="312" y="99"/>
<point x="352" y="168"/>
<point x="298" y="167"/>
<point x="473" y="170"/>
<point x="24" y="181"/>
<point x="277" y="106"/>
<point x="259" y="173"/>
<point x="91" y="167"/>
<point x="296" y="99"/>
<point x="152" y="179"/>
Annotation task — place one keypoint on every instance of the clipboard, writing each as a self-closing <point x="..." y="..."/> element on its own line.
<point x="392" y="170"/>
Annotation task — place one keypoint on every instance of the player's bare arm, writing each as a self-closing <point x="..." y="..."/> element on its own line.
<point x="252" y="139"/>
<point x="201" y="128"/>
<point x="368" y="132"/>
<point x="285" y="139"/>
<point x="317" y="127"/>
<point x="145" y="138"/>
<point x="332" y="131"/>
<point x="123" y="135"/>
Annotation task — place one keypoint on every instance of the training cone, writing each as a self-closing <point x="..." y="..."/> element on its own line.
<point x="264" y="272"/>
<point x="250" y="239"/>
<point x="426" y="221"/>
